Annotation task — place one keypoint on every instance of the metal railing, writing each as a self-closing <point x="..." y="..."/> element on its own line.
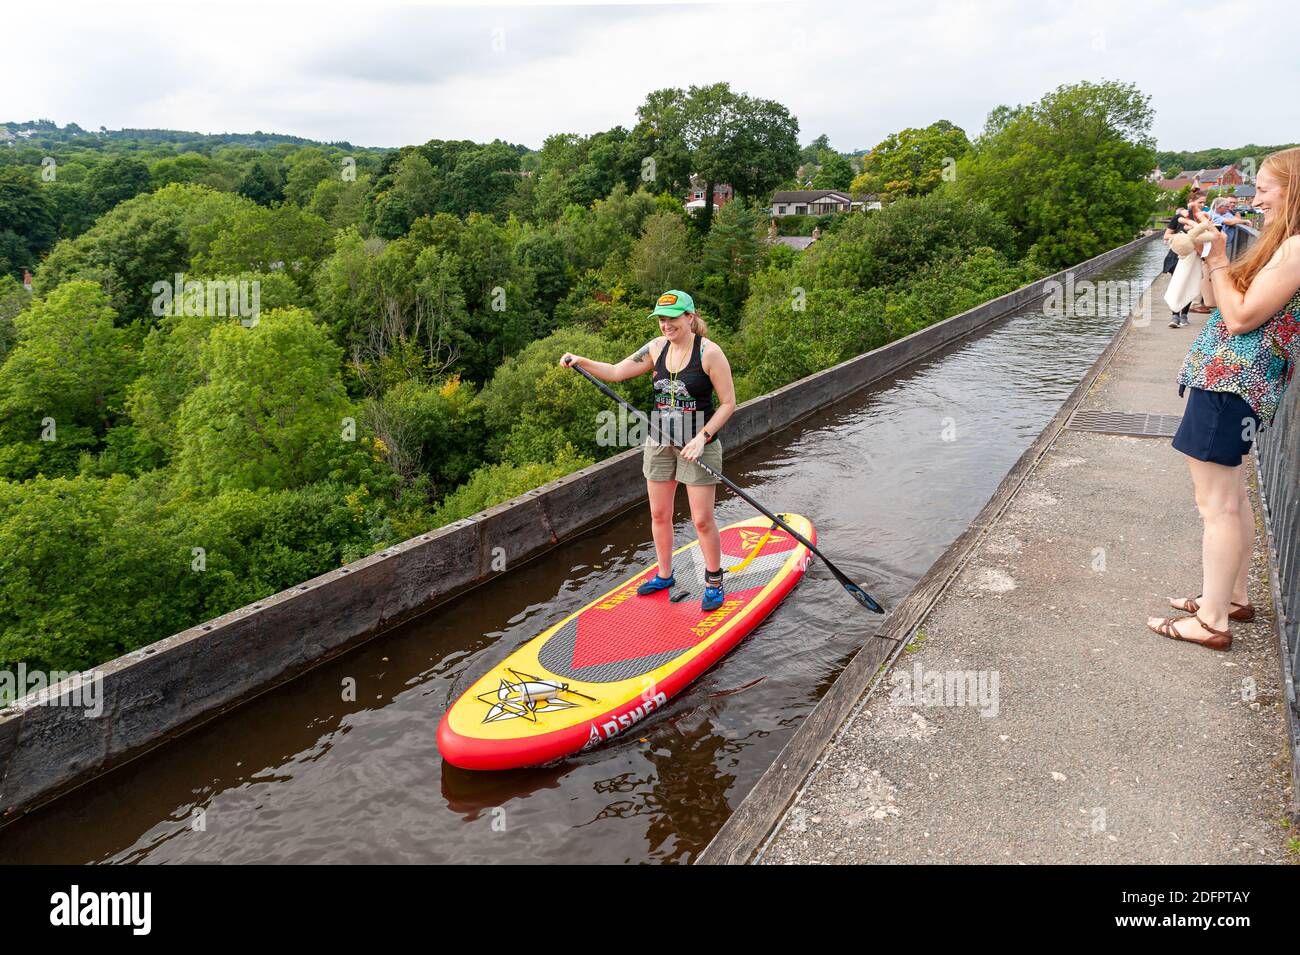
<point x="1277" y="462"/>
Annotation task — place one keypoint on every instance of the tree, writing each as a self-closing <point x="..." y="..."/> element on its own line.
<point x="271" y="412"/>
<point x="582" y="170"/>
<point x="26" y="220"/>
<point x="784" y="338"/>
<point x="70" y="361"/>
<point x="169" y="372"/>
<point x="533" y="407"/>
<point x="345" y="287"/>
<point x="482" y="180"/>
<point x="733" y="138"/>
<point x="305" y="175"/>
<point x="1068" y="172"/>
<point x="609" y="163"/>
<point x="13" y="299"/>
<point x="722" y="136"/>
<point x="70" y="588"/>
<point x="765" y="149"/>
<point x="834" y="172"/>
<point x="912" y="162"/>
<point x="659" y="136"/>
<point x="116" y="180"/>
<point x="492" y="484"/>
<point x="263" y="181"/>
<point x="170" y="368"/>
<point x="541" y="266"/>
<point x="607" y="229"/>
<point x="374" y="287"/>
<point x="781" y="343"/>
<point x="888" y="247"/>
<point x="412" y="192"/>
<point x="811" y="154"/>
<point x="341" y="204"/>
<point x="139" y="242"/>
<point x="484" y="250"/>
<point x="661" y="258"/>
<point x="93" y="568"/>
<point x="441" y="322"/>
<point x="187" y="168"/>
<point x="70" y="203"/>
<point x="522" y="202"/>
<point x="433" y="430"/>
<point x="258" y="239"/>
<point x="730" y="256"/>
<point x="62" y="386"/>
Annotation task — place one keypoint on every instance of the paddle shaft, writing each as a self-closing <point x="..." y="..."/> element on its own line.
<point x="870" y="602"/>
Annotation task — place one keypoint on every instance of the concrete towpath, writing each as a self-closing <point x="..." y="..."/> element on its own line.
<point x="1103" y="742"/>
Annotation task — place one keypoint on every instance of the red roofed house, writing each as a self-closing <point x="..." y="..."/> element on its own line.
<point x="1218" y="178"/>
<point x="722" y="194"/>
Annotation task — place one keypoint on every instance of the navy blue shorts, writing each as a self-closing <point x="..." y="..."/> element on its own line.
<point x="1217" y="426"/>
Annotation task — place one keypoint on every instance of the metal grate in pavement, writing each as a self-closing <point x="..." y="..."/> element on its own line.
<point x="1130" y="423"/>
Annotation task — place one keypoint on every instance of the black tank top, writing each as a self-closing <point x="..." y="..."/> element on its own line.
<point x="684" y="401"/>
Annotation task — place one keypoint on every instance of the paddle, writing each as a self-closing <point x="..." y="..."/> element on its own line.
<point x="858" y="594"/>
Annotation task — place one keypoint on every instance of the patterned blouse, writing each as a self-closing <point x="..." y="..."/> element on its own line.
<point x="1256" y="365"/>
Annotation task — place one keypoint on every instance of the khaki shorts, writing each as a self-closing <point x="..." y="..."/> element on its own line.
<point x="660" y="462"/>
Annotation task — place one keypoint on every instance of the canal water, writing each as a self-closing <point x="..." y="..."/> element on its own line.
<point x="890" y="477"/>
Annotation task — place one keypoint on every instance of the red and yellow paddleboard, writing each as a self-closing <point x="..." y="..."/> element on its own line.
<point x="617" y="660"/>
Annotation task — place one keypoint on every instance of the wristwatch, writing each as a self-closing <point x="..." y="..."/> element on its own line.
<point x="707" y="437"/>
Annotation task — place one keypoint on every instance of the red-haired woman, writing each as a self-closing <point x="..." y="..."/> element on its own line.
<point x="1237" y="371"/>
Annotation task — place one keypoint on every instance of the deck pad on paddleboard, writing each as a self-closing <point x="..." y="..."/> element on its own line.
<point x="610" y="664"/>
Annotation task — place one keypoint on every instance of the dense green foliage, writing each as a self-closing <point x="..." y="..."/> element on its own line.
<point x="55" y="183"/>
<point x="1067" y="172"/>
<point x="248" y="359"/>
<point x="1172" y="162"/>
<point x="912" y="162"/>
<point x="880" y="277"/>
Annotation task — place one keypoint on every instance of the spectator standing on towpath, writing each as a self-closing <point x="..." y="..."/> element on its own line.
<point x="1232" y="221"/>
<point x="1237" y="371"/>
<point x="1175" y="227"/>
<point x="1195" y="203"/>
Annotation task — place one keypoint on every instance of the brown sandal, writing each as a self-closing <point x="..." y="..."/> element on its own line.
<point x="1244" y="614"/>
<point x="1219" y="639"/>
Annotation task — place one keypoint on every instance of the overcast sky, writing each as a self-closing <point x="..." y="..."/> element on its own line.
<point x="388" y="75"/>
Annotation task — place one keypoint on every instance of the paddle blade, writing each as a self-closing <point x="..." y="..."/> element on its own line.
<point x="862" y="597"/>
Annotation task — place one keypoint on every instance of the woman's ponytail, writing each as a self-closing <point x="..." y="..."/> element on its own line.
<point x="699" y="326"/>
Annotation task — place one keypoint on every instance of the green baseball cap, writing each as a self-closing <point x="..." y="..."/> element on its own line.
<point x="673" y="304"/>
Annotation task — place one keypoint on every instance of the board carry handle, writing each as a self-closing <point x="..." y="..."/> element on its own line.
<point x="753" y="553"/>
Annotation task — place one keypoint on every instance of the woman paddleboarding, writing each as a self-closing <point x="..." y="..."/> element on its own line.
<point x="687" y="370"/>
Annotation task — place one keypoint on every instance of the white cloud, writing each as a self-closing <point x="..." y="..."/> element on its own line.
<point x="390" y="75"/>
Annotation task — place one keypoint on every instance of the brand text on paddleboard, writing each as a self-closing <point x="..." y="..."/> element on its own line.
<point x="612" y="727"/>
